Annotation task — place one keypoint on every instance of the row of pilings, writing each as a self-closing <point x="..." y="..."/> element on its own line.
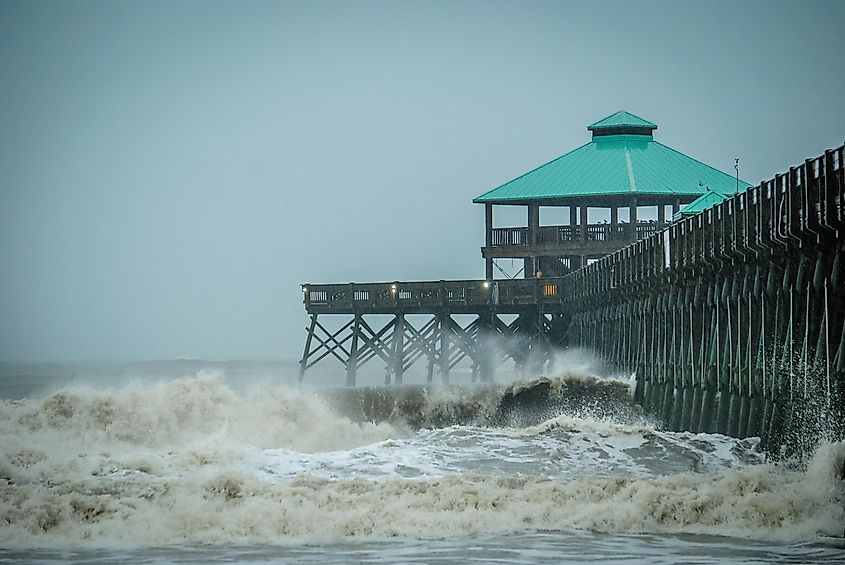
<point x="734" y="321"/>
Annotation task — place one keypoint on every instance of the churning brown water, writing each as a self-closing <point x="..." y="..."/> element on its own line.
<point x="212" y="468"/>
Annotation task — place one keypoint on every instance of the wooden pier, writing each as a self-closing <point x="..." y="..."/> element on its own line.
<point x="732" y="319"/>
<point x="440" y="340"/>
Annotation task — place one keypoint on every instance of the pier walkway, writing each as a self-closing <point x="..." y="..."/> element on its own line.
<point x="733" y="319"/>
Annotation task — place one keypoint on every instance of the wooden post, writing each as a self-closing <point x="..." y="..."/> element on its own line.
<point x="661" y="213"/>
<point x="445" y="329"/>
<point x="303" y="364"/>
<point x="488" y="239"/>
<point x="633" y="218"/>
<point x="398" y="353"/>
<point x="583" y="218"/>
<point x="533" y="234"/>
<point x="481" y="357"/>
<point x="352" y="362"/>
<point x="533" y="223"/>
<point x="527" y="267"/>
<point x="582" y="235"/>
<point x="614" y="222"/>
<point x="484" y="347"/>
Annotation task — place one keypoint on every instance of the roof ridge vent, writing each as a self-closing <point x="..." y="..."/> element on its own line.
<point x="622" y="123"/>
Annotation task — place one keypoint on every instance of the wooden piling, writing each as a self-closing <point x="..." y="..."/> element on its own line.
<point x="733" y="320"/>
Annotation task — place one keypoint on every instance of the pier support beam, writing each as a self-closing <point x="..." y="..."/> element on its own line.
<point x="352" y="361"/>
<point x="488" y="240"/>
<point x="303" y="364"/>
<point x="733" y="319"/>
<point x="445" y="345"/>
<point x="398" y="350"/>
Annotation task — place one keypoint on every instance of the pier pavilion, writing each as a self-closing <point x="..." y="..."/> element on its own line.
<point x="732" y="318"/>
<point x="622" y="169"/>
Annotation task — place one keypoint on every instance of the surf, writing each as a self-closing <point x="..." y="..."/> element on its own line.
<point x="195" y="461"/>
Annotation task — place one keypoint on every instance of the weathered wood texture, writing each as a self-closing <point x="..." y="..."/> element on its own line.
<point x="734" y="319"/>
<point x="591" y="239"/>
<point x="509" y="296"/>
<point x="487" y="341"/>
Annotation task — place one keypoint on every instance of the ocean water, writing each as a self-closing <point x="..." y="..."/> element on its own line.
<point x="229" y="462"/>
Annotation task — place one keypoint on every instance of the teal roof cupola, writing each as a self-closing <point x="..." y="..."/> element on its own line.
<point x="621" y="123"/>
<point x="620" y="161"/>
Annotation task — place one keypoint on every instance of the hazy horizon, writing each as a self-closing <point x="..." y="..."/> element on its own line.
<point x="172" y="171"/>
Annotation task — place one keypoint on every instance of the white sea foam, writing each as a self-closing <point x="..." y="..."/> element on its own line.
<point x="186" y="411"/>
<point x="760" y="502"/>
<point x="191" y="461"/>
<point x="704" y="451"/>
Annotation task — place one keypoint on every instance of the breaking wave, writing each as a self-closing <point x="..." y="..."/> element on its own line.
<point x="516" y="404"/>
<point x="191" y="461"/>
<point x="185" y="412"/>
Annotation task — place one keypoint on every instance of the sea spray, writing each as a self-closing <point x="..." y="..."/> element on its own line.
<point x="191" y="461"/>
<point x="514" y="404"/>
<point x="762" y="502"/>
<point x="185" y="411"/>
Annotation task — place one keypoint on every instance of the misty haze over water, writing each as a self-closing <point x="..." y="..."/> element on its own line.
<point x="173" y="171"/>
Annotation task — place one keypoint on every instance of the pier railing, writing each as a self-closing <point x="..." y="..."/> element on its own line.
<point x="467" y="296"/>
<point x="553" y="235"/>
<point x="800" y="212"/>
<point x="733" y="319"/>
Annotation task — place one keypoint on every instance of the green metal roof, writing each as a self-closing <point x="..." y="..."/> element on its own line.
<point x="621" y="119"/>
<point x="615" y="165"/>
<point x="711" y="198"/>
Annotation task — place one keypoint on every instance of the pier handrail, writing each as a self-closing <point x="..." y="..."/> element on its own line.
<point x="412" y="296"/>
<point x="797" y="211"/>
<point x="550" y="235"/>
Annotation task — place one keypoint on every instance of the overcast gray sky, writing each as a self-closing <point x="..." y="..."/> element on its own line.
<point x="171" y="171"/>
